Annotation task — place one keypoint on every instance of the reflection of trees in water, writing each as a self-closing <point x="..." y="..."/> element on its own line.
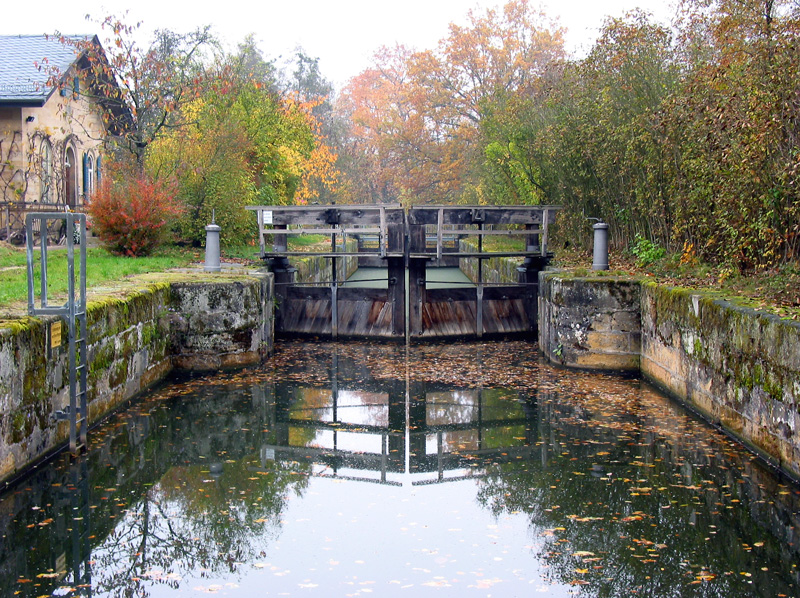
<point x="452" y="407"/>
<point x="629" y="493"/>
<point x="620" y="488"/>
<point x="199" y="522"/>
<point x="174" y="486"/>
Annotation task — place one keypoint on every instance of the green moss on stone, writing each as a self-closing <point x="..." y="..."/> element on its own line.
<point x="758" y="375"/>
<point x="159" y="349"/>
<point x="34" y="385"/>
<point x="148" y="334"/>
<point x="742" y="377"/>
<point x="103" y="358"/>
<point x="18" y="419"/>
<point x="22" y="326"/>
<point x="129" y="343"/>
<point x="119" y="373"/>
<point x="698" y="351"/>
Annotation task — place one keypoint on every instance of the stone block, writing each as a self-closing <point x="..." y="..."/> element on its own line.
<point x="608" y="342"/>
<point x="130" y="344"/>
<point x="627" y="321"/>
<point x="606" y="361"/>
<point x="603" y="322"/>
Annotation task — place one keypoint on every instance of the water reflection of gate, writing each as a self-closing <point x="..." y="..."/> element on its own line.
<point x="387" y="433"/>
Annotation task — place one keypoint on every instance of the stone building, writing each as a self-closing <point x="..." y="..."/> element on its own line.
<point x="51" y="126"/>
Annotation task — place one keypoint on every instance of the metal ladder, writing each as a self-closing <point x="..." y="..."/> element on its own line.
<point x="74" y="310"/>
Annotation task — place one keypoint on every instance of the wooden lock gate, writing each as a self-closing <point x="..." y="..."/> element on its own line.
<point x="403" y="303"/>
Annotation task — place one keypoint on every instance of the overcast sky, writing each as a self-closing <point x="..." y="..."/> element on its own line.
<point x="344" y="34"/>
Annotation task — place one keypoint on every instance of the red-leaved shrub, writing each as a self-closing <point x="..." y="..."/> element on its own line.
<point x="132" y="214"/>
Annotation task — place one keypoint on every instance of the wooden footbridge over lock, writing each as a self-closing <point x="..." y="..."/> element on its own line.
<point x="410" y="245"/>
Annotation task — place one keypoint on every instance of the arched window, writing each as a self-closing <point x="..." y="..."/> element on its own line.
<point x="88" y="176"/>
<point x="46" y="189"/>
<point x="70" y="178"/>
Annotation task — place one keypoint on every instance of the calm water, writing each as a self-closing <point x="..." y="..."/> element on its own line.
<point x="361" y="469"/>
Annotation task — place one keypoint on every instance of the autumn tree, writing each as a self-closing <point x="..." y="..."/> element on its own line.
<point x="246" y="143"/>
<point x="309" y="88"/>
<point x="143" y="88"/>
<point x="429" y="105"/>
<point x="376" y="105"/>
<point x="597" y="137"/>
<point x="734" y="133"/>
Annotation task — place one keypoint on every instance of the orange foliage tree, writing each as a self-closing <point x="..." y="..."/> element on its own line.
<point x="418" y="114"/>
<point x="132" y="213"/>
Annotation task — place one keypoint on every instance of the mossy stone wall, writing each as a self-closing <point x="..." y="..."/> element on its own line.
<point x="220" y="325"/>
<point x="133" y="342"/>
<point x="318" y="269"/>
<point x="496" y="270"/>
<point x="591" y="323"/>
<point x="737" y="366"/>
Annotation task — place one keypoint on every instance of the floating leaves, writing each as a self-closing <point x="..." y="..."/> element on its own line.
<point x="596" y="475"/>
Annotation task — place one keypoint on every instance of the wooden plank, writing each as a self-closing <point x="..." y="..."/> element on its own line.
<point x="319" y="231"/>
<point x="296" y="293"/>
<point x="346" y="316"/>
<point x="327" y="254"/>
<point x="465" y="293"/>
<point x="307" y="317"/>
<point x="363" y="294"/>
<point x="397" y="295"/>
<point x="499" y="293"/>
<point x="504" y="317"/>
<point x="431" y="255"/>
<point x="365" y="317"/>
<point x="458" y="318"/>
<point x="489" y="214"/>
<point x="476" y="232"/>
<point x="342" y="215"/>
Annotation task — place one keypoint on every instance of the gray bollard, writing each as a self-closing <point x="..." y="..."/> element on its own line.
<point x="600" y="261"/>
<point x="212" y="246"/>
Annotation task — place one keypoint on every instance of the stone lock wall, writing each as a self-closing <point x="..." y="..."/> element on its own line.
<point x="738" y="367"/>
<point x="133" y="342"/>
<point x="318" y="269"/>
<point x="592" y="323"/>
<point x="220" y="325"/>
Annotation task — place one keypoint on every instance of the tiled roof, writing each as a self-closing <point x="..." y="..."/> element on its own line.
<point x="21" y="82"/>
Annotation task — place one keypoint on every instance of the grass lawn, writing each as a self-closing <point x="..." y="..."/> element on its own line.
<point x="101" y="267"/>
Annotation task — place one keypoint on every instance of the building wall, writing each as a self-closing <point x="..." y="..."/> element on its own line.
<point x="64" y="122"/>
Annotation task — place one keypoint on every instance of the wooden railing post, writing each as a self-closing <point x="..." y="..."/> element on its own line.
<point x="416" y="279"/>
